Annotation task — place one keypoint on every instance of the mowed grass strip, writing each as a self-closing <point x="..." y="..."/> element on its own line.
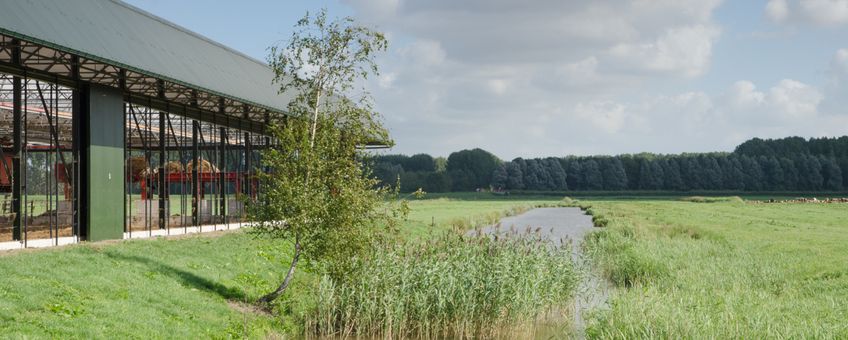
<point x="186" y="287"/>
<point x="723" y="270"/>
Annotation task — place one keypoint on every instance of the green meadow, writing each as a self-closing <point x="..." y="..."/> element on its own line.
<point x="188" y="287"/>
<point x="722" y="269"/>
<point x="679" y="268"/>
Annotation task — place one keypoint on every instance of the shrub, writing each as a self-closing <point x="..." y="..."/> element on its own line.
<point x="599" y="221"/>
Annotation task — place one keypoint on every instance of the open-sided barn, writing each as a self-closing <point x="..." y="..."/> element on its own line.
<point x="114" y="121"/>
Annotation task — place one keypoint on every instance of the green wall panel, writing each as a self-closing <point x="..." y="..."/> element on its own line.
<point x="105" y="151"/>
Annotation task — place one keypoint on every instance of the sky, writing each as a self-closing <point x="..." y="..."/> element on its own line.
<point x="553" y="78"/>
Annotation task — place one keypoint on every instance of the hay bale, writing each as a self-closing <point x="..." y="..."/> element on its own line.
<point x="174" y="166"/>
<point x="171" y="168"/>
<point x="138" y="166"/>
<point x="205" y="167"/>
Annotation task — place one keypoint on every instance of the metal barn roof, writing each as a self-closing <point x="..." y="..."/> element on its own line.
<point x="116" y="33"/>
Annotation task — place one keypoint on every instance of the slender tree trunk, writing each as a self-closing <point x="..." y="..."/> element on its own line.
<point x="315" y="120"/>
<point x="282" y="288"/>
<point x="297" y="249"/>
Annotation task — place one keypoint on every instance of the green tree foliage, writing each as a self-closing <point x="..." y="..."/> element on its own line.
<point x="757" y="165"/>
<point x="437" y="182"/>
<point x="732" y="176"/>
<point x="652" y="175"/>
<point x="441" y="164"/>
<point x="831" y="174"/>
<point x="515" y="178"/>
<point x="477" y="165"/>
<point x="574" y="175"/>
<point x="533" y="177"/>
<point x="461" y="180"/>
<point x="317" y="193"/>
<point x="671" y="170"/>
<point x="773" y="172"/>
<point x="500" y="177"/>
<point x="558" y="176"/>
<point x="614" y="176"/>
<point x="421" y="162"/>
<point x="592" y="176"/>
<point x="754" y="177"/>
<point x="790" y="173"/>
<point x="411" y="181"/>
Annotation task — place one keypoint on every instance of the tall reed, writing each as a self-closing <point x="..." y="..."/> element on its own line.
<point x="448" y="286"/>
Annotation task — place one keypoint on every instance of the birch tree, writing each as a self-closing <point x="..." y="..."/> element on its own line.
<point x="317" y="195"/>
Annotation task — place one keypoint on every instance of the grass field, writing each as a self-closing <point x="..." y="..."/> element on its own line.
<point x="723" y="270"/>
<point x="178" y="288"/>
<point x="681" y="269"/>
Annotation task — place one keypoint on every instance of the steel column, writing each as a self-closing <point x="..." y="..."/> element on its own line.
<point x="195" y="191"/>
<point x="17" y="165"/>
<point x="163" y="185"/>
<point x="222" y="169"/>
<point x="248" y="164"/>
<point x="76" y="145"/>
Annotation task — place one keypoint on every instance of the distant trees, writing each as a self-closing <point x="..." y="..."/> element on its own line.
<point x="615" y="178"/>
<point x="473" y="169"/>
<point x="464" y="170"/>
<point x="651" y="175"/>
<point x="514" y="177"/>
<point x="756" y="165"/>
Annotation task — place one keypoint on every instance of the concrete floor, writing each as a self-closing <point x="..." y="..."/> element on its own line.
<point x="61" y="241"/>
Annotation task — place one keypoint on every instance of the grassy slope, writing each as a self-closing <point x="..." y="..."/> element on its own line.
<point x="135" y="289"/>
<point x="176" y="288"/>
<point x="722" y="270"/>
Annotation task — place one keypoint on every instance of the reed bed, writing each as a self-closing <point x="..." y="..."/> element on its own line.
<point x="449" y="286"/>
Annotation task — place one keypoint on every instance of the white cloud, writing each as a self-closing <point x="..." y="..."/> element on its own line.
<point x="817" y="12"/>
<point x="777" y="10"/>
<point x="607" y="116"/>
<point x="424" y="53"/>
<point x="743" y="95"/>
<point x="787" y="104"/>
<point x="839" y="63"/>
<point x="835" y="100"/>
<point x="499" y="86"/>
<point x="387" y="80"/>
<point x="681" y="50"/>
<point x="554" y="77"/>
<point x="794" y="99"/>
<point x="670" y="36"/>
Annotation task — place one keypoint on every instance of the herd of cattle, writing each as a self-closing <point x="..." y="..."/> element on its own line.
<point x="807" y="200"/>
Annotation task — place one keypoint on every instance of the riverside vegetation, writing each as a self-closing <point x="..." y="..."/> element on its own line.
<point x="713" y="268"/>
<point x="441" y="282"/>
<point x="449" y="286"/>
<point x="205" y="285"/>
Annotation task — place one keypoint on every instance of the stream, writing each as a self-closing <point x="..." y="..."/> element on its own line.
<point x="568" y="225"/>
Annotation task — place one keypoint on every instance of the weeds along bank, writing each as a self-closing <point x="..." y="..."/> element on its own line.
<point x="442" y="283"/>
<point x="203" y="285"/>
<point x="449" y="286"/>
<point x="721" y="269"/>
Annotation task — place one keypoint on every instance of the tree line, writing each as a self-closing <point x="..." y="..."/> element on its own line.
<point x="788" y="164"/>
